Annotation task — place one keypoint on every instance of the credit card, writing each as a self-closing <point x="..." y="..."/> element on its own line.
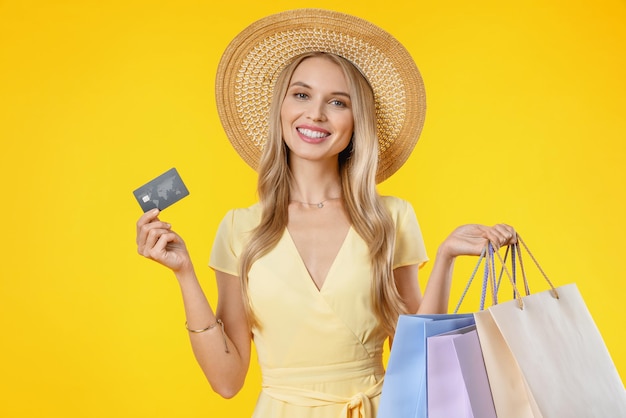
<point x="161" y="192"/>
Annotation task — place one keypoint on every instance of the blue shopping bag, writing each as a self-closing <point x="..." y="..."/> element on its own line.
<point x="404" y="389"/>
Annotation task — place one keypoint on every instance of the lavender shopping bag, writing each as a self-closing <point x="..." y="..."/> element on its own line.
<point x="456" y="376"/>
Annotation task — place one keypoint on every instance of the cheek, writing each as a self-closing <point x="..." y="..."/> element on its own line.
<point x="348" y="124"/>
<point x="286" y="117"/>
<point x="288" y="107"/>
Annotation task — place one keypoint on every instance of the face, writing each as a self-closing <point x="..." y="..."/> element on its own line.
<point x="316" y="114"/>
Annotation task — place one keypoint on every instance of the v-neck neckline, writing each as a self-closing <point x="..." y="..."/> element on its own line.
<point x="330" y="268"/>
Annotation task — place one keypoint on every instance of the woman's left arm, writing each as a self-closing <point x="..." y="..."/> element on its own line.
<point x="464" y="240"/>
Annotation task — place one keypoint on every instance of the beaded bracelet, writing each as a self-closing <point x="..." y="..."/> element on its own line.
<point x="218" y="322"/>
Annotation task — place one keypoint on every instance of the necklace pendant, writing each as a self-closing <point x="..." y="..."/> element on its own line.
<point x="320" y="205"/>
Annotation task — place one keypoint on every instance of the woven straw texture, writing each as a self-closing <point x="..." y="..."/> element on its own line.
<point x="253" y="60"/>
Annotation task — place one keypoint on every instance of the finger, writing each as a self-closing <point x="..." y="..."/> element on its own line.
<point x="144" y="220"/>
<point x="165" y="239"/>
<point x="151" y="237"/>
<point x="147" y="217"/>
<point x="508" y="232"/>
<point x="503" y="234"/>
<point x="144" y="229"/>
<point x="159" y="250"/>
<point x="494" y="236"/>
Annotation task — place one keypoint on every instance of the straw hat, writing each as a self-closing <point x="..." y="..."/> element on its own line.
<point x="253" y="60"/>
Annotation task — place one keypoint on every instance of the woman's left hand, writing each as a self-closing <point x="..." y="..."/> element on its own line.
<point x="471" y="239"/>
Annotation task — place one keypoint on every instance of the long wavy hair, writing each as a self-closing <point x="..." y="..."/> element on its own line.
<point x="357" y="167"/>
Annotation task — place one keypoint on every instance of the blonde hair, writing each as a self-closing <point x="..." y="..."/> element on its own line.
<point x="357" y="167"/>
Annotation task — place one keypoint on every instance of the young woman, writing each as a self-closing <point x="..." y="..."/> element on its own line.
<point x="318" y="271"/>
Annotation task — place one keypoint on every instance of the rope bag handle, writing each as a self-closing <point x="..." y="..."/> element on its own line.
<point x="490" y="281"/>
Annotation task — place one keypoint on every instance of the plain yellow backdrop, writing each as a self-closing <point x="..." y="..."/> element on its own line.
<point x="525" y="125"/>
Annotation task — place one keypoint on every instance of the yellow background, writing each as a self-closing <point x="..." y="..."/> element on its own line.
<point x="525" y="125"/>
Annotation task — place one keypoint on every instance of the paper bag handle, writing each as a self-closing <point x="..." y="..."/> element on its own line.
<point x="489" y="274"/>
<point x="516" y="294"/>
<point x="555" y="293"/>
<point x="489" y="277"/>
<point x="495" y="286"/>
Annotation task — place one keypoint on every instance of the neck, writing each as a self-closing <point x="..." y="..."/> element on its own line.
<point x="313" y="183"/>
<point x="314" y="193"/>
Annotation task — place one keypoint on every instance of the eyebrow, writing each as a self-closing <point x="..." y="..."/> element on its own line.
<point x="303" y="84"/>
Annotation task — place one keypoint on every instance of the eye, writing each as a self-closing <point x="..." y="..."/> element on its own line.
<point x="337" y="103"/>
<point x="300" y="95"/>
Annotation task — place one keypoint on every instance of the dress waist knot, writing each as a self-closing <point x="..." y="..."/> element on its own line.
<point x="289" y="385"/>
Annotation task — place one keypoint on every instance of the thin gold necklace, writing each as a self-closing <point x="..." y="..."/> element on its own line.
<point x="319" y="205"/>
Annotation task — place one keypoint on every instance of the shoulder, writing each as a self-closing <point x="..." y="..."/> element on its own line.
<point x="247" y="216"/>
<point x="242" y="220"/>
<point x="398" y="208"/>
<point x="409" y="248"/>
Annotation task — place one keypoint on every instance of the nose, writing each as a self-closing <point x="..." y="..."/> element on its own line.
<point x="316" y="111"/>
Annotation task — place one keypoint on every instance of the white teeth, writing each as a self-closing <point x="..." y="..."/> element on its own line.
<point x="312" y="134"/>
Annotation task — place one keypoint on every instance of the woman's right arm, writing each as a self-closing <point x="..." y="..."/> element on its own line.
<point x="223" y="357"/>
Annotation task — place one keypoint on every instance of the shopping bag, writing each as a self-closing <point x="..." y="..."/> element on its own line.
<point x="545" y="357"/>
<point x="404" y="389"/>
<point x="510" y="395"/>
<point x="459" y="387"/>
<point x="475" y="375"/>
<point x="508" y="386"/>
<point x="457" y="384"/>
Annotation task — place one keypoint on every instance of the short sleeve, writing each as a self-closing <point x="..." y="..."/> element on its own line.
<point x="230" y="238"/>
<point x="409" y="246"/>
<point x="223" y="255"/>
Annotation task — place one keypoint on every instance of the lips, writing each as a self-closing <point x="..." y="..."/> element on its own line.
<point x="313" y="135"/>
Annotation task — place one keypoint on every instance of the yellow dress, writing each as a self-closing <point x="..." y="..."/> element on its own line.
<point x="320" y="351"/>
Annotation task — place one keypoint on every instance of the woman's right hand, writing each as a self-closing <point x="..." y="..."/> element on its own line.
<point x="157" y="241"/>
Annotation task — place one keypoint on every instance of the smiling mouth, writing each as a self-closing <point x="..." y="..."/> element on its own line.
<point x="309" y="133"/>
